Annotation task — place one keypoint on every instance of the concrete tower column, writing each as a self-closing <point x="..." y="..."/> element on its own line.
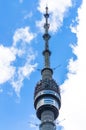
<point x="47" y="121"/>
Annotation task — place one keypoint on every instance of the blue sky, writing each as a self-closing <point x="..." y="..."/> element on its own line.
<point x="21" y="46"/>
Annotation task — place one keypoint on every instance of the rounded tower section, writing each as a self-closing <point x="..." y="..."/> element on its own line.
<point x="47" y="97"/>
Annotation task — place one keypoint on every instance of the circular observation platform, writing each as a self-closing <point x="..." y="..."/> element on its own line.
<point x="47" y="97"/>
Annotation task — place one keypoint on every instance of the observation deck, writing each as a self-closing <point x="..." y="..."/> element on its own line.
<point x="47" y="96"/>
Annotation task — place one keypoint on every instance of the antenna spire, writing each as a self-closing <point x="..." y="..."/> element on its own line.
<point x="46" y="37"/>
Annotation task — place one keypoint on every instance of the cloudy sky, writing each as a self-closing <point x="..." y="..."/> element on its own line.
<point x="21" y="46"/>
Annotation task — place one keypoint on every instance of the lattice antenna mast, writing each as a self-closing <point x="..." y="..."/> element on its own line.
<point x="46" y="37"/>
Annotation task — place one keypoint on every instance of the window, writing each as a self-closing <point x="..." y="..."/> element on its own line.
<point x="48" y="100"/>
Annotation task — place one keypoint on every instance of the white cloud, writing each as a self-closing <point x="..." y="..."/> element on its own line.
<point x="6" y="68"/>
<point x="23" y="72"/>
<point x="21" y="48"/>
<point x="57" y="9"/>
<point x="22" y="34"/>
<point x="29" y="15"/>
<point x="74" y="98"/>
<point x="73" y="26"/>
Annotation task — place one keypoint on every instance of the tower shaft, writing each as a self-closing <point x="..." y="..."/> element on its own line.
<point x="47" y="99"/>
<point x="47" y="119"/>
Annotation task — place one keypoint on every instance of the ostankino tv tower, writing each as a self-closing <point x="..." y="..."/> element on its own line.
<point x="47" y="99"/>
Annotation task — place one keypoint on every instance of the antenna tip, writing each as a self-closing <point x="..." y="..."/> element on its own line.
<point x="46" y="8"/>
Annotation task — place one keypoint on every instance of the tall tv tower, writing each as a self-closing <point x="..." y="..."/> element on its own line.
<point x="47" y="99"/>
